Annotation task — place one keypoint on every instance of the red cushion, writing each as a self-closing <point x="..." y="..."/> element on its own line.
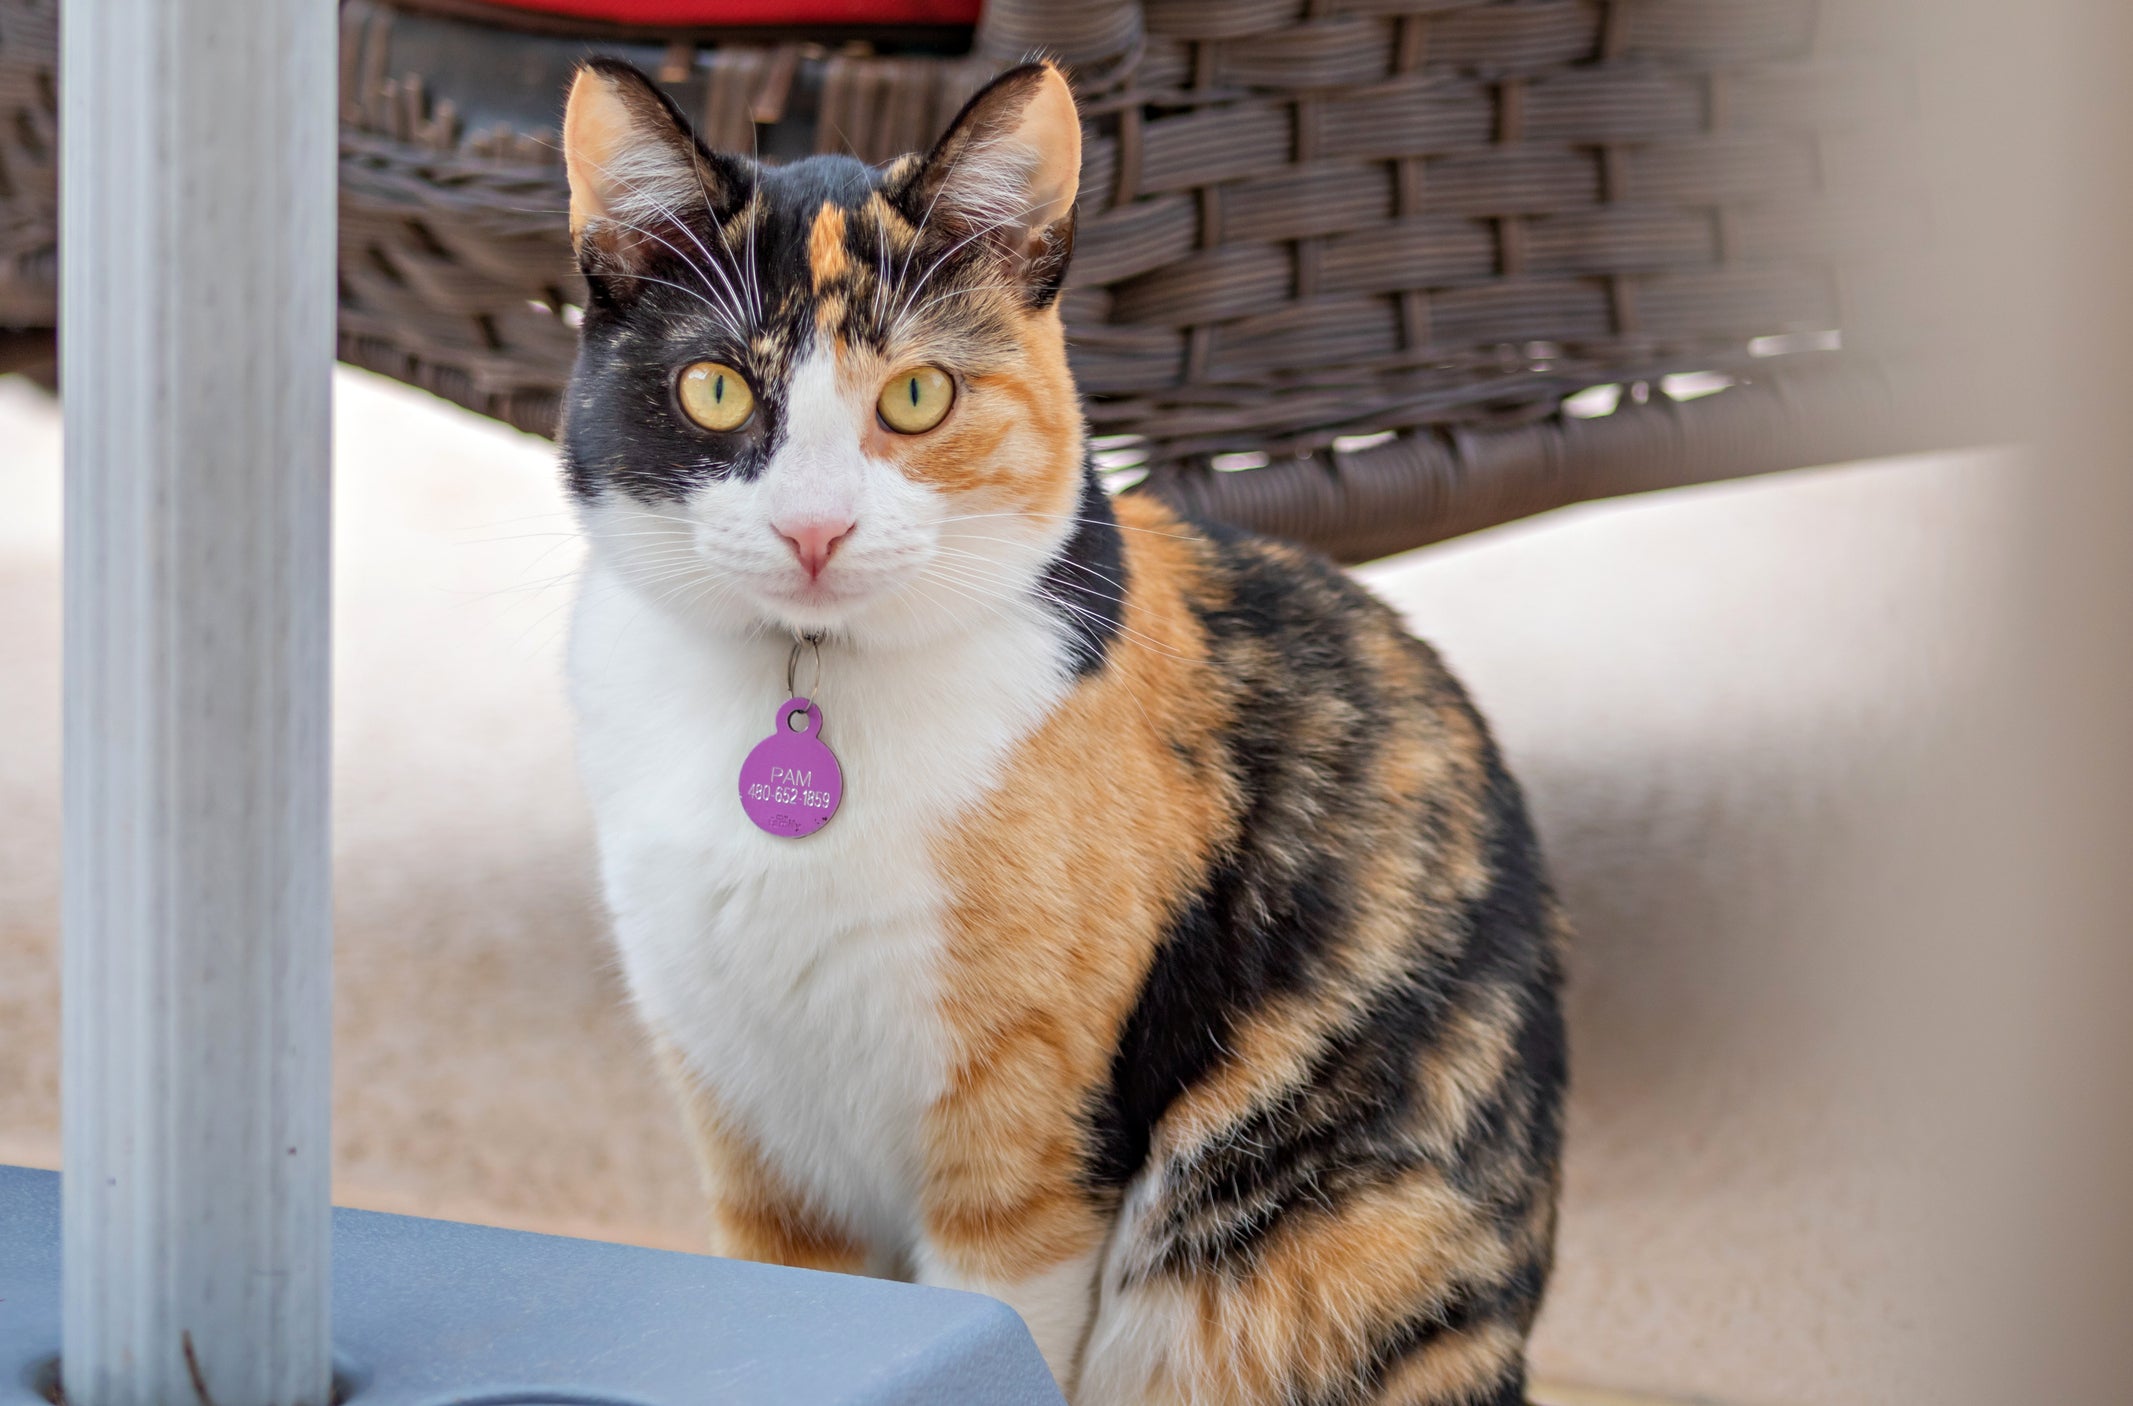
<point x="716" y="14"/>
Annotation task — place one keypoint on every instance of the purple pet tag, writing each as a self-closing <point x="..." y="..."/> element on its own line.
<point x="790" y="784"/>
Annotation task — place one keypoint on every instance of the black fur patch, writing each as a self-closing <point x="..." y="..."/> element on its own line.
<point x="1086" y="582"/>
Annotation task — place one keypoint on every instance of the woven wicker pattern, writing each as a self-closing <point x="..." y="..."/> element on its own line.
<point x="29" y="162"/>
<point x="1298" y="222"/>
<point x="1305" y="224"/>
<point x="1375" y="216"/>
<point x="1407" y="490"/>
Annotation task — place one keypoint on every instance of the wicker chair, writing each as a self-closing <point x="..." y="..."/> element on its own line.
<point x="1348" y="271"/>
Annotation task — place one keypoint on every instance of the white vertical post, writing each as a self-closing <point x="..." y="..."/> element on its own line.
<point x="197" y="344"/>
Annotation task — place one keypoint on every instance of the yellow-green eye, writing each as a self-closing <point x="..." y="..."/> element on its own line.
<point x="715" y="396"/>
<point x="915" y="401"/>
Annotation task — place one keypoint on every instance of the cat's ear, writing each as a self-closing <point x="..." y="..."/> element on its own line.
<point x="1004" y="175"/>
<point x="638" y="176"/>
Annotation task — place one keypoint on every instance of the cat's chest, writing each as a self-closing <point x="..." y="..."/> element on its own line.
<point x="800" y="979"/>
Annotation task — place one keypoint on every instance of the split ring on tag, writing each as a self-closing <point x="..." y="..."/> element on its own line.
<point x="791" y="783"/>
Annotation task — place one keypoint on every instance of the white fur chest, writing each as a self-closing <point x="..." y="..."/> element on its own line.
<point x="797" y="977"/>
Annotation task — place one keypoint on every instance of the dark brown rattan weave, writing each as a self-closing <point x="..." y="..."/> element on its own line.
<point x="1303" y="224"/>
<point x="29" y="173"/>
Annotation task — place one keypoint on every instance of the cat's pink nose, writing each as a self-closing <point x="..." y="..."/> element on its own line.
<point x="813" y="539"/>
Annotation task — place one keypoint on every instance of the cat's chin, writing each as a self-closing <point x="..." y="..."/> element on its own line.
<point x="805" y="621"/>
<point x="822" y="608"/>
<point x="826" y="603"/>
<point x="891" y="616"/>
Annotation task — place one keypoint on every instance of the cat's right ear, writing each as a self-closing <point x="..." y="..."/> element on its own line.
<point x="638" y="176"/>
<point x="1004" y="175"/>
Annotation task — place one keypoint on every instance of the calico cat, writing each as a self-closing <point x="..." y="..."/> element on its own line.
<point x="1177" y="965"/>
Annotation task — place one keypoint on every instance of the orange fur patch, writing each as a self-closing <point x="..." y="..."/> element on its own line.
<point x="1327" y="1287"/>
<point x="1268" y="1056"/>
<point x="827" y="259"/>
<point x="1457" y="1367"/>
<point x="1014" y="436"/>
<point x="1052" y="126"/>
<point x="1011" y="443"/>
<point x="597" y="129"/>
<point x="1456" y="1076"/>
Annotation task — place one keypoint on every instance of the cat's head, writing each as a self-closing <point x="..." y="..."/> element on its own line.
<point x="824" y="395"/>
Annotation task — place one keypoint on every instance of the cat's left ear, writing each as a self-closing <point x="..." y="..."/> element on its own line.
<point x="1004" y="176"/>
<point x="638" y="176"/>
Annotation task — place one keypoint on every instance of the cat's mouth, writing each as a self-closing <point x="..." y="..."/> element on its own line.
<point x="814" y="592"/>
<point x="802" y="599"/>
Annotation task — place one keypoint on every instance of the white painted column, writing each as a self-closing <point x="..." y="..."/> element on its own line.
<point x="197" y="343"/>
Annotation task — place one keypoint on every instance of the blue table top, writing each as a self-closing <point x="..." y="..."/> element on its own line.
<point x="429" y="1312"/>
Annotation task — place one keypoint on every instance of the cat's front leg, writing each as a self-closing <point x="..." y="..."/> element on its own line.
<point x="755" y="1214"/>
<point x="1056" y="1296"/>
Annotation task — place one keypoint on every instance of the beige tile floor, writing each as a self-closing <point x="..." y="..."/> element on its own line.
<point x="1696" y="687"/>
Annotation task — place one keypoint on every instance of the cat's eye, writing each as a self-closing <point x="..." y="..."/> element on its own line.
<point x="915" y="401"/>
<point x="715" y="396"/>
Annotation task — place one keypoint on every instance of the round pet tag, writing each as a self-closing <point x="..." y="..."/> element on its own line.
<point x="790" y="784"/>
